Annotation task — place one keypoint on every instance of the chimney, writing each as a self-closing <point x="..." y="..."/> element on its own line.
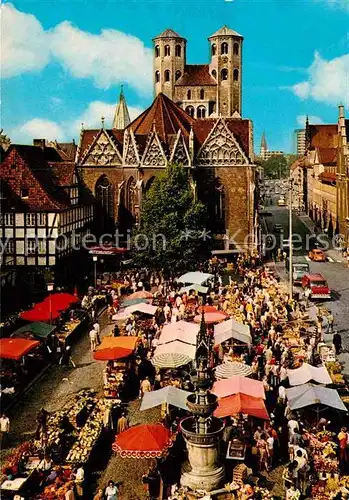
<point x="41" y="143"/>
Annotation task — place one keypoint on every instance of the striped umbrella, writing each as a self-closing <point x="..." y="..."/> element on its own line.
<point x="171" y="360"/>
<point x="232" y="368"/>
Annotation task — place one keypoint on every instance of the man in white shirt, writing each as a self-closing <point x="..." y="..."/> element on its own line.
<point x="282" y="393"/>
<point x="4" y="429"/>
<point x="97" y="329"/>
<point x="292" y="426"/>
<point x="93" y="339"/>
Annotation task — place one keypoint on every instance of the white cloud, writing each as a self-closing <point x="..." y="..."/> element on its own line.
<point x="109" y="58"/>
<point x="23" y="43"/>
<point x="328" y="81"/>
<point x="37" y="128"/>
<point x="312" y="119"/>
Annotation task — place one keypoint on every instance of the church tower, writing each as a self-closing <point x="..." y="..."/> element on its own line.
<point x="121" y="117"/>
<point x="226" y="68"/>
<point x="264" y="147"/>
<point x="169" y="61"/>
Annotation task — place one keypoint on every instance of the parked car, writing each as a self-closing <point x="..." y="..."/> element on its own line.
<point x="317" y="255"/>
<point x="281" y="202"/>
<point x="300" y="268"/>
<point x="318" y="286"/>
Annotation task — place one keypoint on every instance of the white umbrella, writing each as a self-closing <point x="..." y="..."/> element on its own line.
<point x="306" y="373"/>
<point x="231" y="368"/>
<point x="181" y="330"/>
<point x="171" y="360"/>
<point x="194" y="286"/>
<point x="170" y="395"/>
<point x="176" y="347"/>
<point x="196" y="277"/>
<point x="142" y="307"/>
<point x="231" y="329"/>
<point x="305" y="395"/>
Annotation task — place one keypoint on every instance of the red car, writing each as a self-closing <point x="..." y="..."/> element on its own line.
<point x="317" y="255"/>
<point x="317" y="285"/>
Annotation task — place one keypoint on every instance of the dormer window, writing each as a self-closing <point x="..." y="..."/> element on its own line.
<point x="24" y="193"/>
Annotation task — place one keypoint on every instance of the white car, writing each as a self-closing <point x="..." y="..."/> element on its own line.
<point x="281" y="202"/>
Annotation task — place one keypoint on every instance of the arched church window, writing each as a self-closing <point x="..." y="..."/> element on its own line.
<point x="157" y="51"/>
<point x="167" y="50"/>
<point x="167" y="76"/>
<point x="201" y="112"/>
<point x="236" y="49"/>
<point x="202" y="94"/>
<point x="157" y="76"/>
<point x="189" y="94"/>
<point x="214" y="73"/>
<point x="190" y="111"/>
<point x="178" y="74"/>
<point x="224" y="48"/>
<point x="178" y="51"/>
<point x="236" y="75"/>
<point x="224" y="74"/>
<point x="214" y="49"/>
<point x="104" y="196"/>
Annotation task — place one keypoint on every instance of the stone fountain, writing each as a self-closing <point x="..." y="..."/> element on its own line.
<point x="202" y="431"/>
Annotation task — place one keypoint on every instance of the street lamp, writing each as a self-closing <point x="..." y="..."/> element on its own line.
<point x="50" y="287"/>
<point x="95" y="259"/>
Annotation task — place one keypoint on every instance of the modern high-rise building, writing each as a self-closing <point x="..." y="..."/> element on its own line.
<point x="299" y="141"/>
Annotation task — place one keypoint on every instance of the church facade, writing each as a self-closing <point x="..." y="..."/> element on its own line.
<point x="119" y="164"/>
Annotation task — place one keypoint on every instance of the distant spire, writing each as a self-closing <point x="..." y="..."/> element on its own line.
<point x="264" y="142"/>
<point x="121" y="117"/>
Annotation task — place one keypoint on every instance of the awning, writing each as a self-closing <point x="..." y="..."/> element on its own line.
<point x="141" y="294"/>
<point x="133" y="302"/>
<point x="306" y="373"/>
<point x="16" y="348"/>
<point x="211" y="317"/>
<point x="170" y="395"/>
<point x="140" y="308"/>
<point x="171" y="360"/>
<point x="41" y="330"/>
<point x="240" y="403"/>
<point x="40" y="312"/>
<point x="124" y="342"/>
<point x="231" y="329"/>
<point x="195" y="277"/>
<point x="234" y="385"/>
<point x="181" y="330"/>
<point x="143" y="441"/>
<point x="176" y="347"/>
<point x="61" y="301"/>
<point x="112" y="353"/>
<point x="195" y="287"/>
<point x="309" y="394"/>
<point x="232" y="368"/>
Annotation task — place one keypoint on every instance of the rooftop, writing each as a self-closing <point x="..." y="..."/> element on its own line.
<point x="196" y="74"/>
<point x="168" y="33"/>
<point x="225" y="31"/>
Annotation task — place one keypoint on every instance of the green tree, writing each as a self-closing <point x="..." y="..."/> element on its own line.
<point x="276" y="167"/>
<point x="172" y="223"/>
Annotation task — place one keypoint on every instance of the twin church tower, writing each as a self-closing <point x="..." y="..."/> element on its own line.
<point x="202" y="90"/>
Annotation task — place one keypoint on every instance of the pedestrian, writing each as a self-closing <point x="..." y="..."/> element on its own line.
<point x="97" y="329"/>
<point x="116" y="331"/>
<point x="111" y="491"/>
<point x="343" y="441"/>
<point x="122" y="424"/>
<point x="330" y="321"/>
<point x="93" y="339"/>
<point x="337" y="342"/>
<point x="145" y="387"/>
<point x="4" y="430"/>
<point x="99" y="495"/>
<point x="79" y="481"/>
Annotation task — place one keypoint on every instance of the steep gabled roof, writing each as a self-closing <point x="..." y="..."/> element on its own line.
<point x="121" y="117"/>
<point x="323" y="136"/>
<point x="226" y="31"/>
<point x="168" y="33"/>
<point x="327" y="177"/>
<point x="196" y="74"/>
<point x="88" y="136"/>
<point x="165" y="117"/>
<point x="327" y="156"/>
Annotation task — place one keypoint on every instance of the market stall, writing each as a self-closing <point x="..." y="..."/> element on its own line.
<point x="237" y="384"/>
<point x="231" y="329"/>
<point x="168" y="395"/>
<point x="241" y="403"/>
<point x="231" y="369"/>
<point x="173" y="354"/>
<point x="182" y="331"/>
<point x="307" y="373"/>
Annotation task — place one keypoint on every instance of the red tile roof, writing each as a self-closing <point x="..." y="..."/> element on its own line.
<point x="165" y="116"/>
<point x="323" y="136"/>
<point x="327" y="177"/>
<point x="327" y="156"/>
<point x="196" y="74"/>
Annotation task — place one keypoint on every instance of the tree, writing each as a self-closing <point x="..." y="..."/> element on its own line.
<point x="275" y="167"/>
<point x="172" y="223"/>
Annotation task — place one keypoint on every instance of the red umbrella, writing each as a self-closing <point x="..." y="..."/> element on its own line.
<point x="111" y="353"/>
<point x="16" y="348"/>
<point x="211" y="317"/>
<point x="40" y="312"/>
<point x="61" y="301"/>
<point x="143" y="441"/>
<point x="241" y="403"/>
<point x="142" y="294"/>
<point x="210" y="309"/>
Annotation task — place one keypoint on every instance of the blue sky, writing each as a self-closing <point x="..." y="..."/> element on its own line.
<point x="64" y="61"/>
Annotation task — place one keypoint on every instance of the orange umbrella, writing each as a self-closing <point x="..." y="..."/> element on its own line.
<point x="124" y="342"/>
<point x="211" y="317"/>
<point x="143" y="441"/>
<point x="241" y="403"/>
<point x="142" y="294"/>
<point x="112" y="353"/>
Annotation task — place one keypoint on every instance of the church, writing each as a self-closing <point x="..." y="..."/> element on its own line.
<point x="195" y="120"/>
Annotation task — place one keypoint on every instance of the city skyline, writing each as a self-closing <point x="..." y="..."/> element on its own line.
<point x="51" y="84"/>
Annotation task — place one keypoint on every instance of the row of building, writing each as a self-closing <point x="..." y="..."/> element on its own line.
<point x="321" y="177"/>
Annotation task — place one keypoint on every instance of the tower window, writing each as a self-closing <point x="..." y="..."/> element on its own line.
<point x="213" y="49"/>
<point x="178" y="74"/>
<point x="201" y="112"/>
<point x="224" y="74"/>
<point x="202" y="94"/>
<point x="157" y="76"/>
<point x="157" y="51"/>
<point x="224" y="48"/>
<point x="189" y="94"/>
<point x="236" y="75"/>
<point x="178" y="51"/>
<point x="167" y="76"/>
<point x="214" y="74"/>
<point x="190" y="111"/>
<point x="236" y="49"/>
<point x="167" y="50"/>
